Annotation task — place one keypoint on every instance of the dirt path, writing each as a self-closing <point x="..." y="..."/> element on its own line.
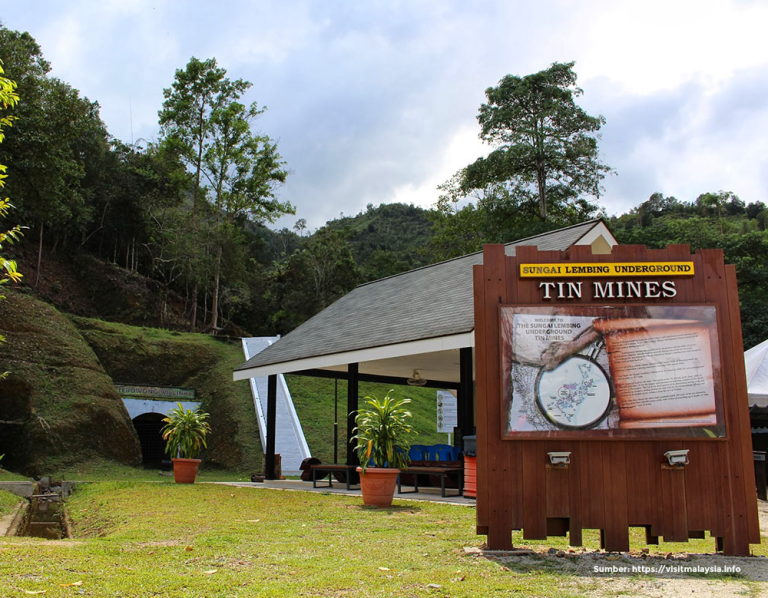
<point x="671" y="576"/>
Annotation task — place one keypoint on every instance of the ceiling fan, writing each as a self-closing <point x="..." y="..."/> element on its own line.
<point x="416" y="379"/>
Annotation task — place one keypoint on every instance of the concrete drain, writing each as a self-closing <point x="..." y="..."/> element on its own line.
<point x="44" y="515"/>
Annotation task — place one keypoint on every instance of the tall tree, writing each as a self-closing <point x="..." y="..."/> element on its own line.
<point x="186" y="123"/>
<point x="8" y="99"/>
<point x="56" y="148"/>
<point x="243" y="170"/>
<point x="544" y="145"/>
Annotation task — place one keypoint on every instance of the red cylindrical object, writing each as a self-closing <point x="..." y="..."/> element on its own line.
<point x="470" y="477"/>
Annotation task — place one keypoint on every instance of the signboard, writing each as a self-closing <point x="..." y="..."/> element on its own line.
<point x="447" y="412"/>
<point x="622" y="361"/>
<point x="612" y="371"/>
<point x="163" y="393"/>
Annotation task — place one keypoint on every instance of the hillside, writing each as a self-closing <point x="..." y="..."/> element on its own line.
<point x="59" y="406"/>
<point x="57" y="403"/>
<point x="134" y="355"/>
<point x="387" y="239"/>
<point x="78" y="283"/>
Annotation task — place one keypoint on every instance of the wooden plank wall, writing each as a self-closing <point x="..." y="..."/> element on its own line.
<point x="612" y="485"/>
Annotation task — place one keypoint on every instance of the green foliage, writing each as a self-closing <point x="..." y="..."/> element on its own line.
<point x="8" y="272"/>
<point x="8" y="99"/>
<point x="204" y="123"/>
<point x="383" y="432"/>
<point x="301" y="284"/>
<point x="184" y="432"/>
<point x="58" y="391"/>
<point x="314" y="402"/>
<point x="57" y="148"/>
<point x="713" y="220"/>
<point x="544" y="146"/>
<point x="544" y="161"/>
<point x="387" y="239"/>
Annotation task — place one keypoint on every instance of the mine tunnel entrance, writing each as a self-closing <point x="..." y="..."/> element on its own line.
<point x="147" y="406"/>
<point x="148" y="427"/>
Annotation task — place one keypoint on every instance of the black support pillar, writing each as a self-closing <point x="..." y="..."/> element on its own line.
<point x="352" y="406"/>
<point x="466" y="394"/>
<point x="269" y="462"/>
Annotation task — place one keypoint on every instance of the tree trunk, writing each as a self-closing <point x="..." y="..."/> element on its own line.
<point x="541" y="179"/>
<point x="193" y="317"/>
<point x="39" y="255"/>
<point x="215" y="300"/>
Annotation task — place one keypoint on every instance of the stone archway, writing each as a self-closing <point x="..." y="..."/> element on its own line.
<point x="147" y="406"/>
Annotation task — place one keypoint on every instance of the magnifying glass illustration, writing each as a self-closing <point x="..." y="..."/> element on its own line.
<point x="577" y="394"/>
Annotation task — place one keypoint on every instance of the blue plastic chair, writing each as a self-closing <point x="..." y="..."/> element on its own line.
<point x="444" y="452"/>
<point x="431" y="453"/>
<point x="417" y="452"/>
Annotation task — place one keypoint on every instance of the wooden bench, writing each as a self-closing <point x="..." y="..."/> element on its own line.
<point x="429" y="470"/>
<point x="332" y="468"/>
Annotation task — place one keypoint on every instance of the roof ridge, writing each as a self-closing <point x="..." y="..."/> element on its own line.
<point x="461" y="257"/>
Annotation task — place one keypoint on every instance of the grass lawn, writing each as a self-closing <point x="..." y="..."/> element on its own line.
<point x="103" y="470"/>
<point x="8" y="503"/>
<point x="138" y="539"/>
<point x="9" y="476"/>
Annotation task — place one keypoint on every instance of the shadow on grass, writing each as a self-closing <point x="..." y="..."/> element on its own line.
<point x="394" y="509"/>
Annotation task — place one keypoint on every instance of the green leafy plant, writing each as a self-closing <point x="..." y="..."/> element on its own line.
<point x="184" y="432"/>
<point x="383" y="432"/>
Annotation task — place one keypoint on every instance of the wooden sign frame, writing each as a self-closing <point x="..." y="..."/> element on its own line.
<point x="612" y="484"/>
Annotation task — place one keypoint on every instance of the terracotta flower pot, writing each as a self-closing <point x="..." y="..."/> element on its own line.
<point x="185" y="470"/>
<point x="378" y="485"/>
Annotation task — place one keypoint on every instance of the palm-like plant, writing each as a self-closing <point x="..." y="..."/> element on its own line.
<point x="185" y="431"/>
<point x="383" y="433"/>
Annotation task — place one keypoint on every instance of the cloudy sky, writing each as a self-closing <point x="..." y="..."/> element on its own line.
<point x="376" y="101"/>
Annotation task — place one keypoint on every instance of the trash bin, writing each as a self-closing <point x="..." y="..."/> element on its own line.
<point x="470" y="445"/>
<point x="759" y="459"/>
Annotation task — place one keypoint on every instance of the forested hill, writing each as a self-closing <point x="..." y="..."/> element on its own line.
<point x="387" y="239"/>
<point x="712" y="220"/>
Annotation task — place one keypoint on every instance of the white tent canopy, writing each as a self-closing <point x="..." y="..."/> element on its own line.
<point x="756" y="362"/>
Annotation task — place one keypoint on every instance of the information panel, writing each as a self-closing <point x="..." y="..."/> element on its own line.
<point x="447" y="412"/>
<point x="611" y="371"/>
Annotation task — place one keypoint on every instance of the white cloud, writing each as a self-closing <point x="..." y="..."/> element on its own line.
<point x="658" y="45"/>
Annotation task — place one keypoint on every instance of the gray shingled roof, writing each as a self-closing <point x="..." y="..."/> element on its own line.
<point x="432" y="301"/>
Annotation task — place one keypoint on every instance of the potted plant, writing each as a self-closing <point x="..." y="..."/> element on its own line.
<point x="383" y="438"/>
<point x="184" y="434"/>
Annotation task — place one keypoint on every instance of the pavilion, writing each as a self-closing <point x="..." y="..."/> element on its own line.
<point x="420" y="321"/>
